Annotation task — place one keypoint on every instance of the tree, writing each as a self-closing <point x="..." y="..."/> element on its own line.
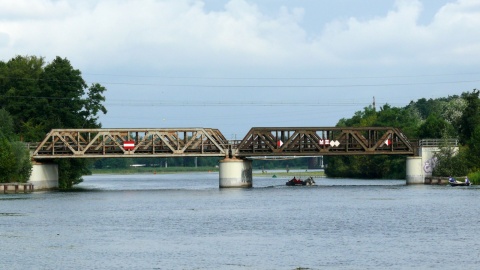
<point x="450" y="162"/>
<point x="15" y="163"/>
<point x="68" y="108"/>
<point x="93" y="105"/>
<point x="70" y="172"/>
<point x="42" y="96"/>
<point x="453" y="112"/>
<point x="7" y="161"/>
<point x="470" y="117"/>
<point x="19" y="89"/>
<point x="65" y="88"/>
<point x="361" y="118"/>
<point x="6" y="124"/>
<point x="23" y="164"/>
<point x="450" y="117"/>
<point x="435" y="127"/>
<point x="406" y="119"/>
<point x="473" y="150"/>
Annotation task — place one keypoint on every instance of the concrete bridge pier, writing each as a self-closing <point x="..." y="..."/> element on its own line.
<point x="44" y="176"/>
<point x="235" y="173"/>
<point x="415" y="171"/>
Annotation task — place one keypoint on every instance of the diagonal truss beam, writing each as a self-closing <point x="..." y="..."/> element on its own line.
<point x="260" y="141"/>
<point x="96" y="143"/>
<point x="308" y="141"/>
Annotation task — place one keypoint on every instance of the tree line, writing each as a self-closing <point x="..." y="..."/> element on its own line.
<point x="456" y="117"/>
<point x="210" y="162"/>
<point x="35" y="97"/>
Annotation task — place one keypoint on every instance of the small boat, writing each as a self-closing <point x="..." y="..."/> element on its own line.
<point x="454" y="183"/>
<point x="298" y="182"/>
<point x="460" y="184"/>
<point x="295" y="182"/>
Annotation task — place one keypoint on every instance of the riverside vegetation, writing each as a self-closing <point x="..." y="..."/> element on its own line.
<point x="36" y="96"/>
<point x="455" y="117"/>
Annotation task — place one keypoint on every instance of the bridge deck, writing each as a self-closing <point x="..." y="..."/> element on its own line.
<point x="260" y="141"/>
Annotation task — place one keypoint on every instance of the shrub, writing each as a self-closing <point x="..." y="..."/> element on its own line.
<point x="474" y="177"/>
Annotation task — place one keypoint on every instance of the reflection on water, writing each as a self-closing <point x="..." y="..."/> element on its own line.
<point x="184" y="221"/>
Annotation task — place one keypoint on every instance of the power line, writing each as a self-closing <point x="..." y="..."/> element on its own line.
<point x="260" y="86"/>
<point x="286" y="86"/>
<point x="227" y="103"/>
<point x="282" y="78"/>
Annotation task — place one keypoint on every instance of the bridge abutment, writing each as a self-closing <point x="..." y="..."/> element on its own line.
<point x="421" y="166"/>
<point x="235" y="173"/>
<point x="44" y="176"/>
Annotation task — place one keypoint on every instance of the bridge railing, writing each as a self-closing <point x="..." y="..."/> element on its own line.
<point x="438" y="142"/>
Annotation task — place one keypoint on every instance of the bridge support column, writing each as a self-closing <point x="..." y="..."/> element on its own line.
<point x="415" y="171"/>
<point x="235" y="173"/>
<point x="44" y="176"/>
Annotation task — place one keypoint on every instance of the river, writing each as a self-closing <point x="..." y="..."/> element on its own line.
<point x="184" y="221"/>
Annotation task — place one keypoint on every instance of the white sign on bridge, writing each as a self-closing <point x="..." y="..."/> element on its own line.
<point x="332" y="143"/>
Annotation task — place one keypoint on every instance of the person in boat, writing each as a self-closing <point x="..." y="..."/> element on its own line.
<point x="451" y="180"/>
<point x="467" y="181"/>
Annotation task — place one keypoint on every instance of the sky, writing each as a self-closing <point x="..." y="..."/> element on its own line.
<point x="237" y="64"/>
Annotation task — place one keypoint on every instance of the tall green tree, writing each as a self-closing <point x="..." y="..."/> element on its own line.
<point x="23" y="164"/>
<point x="435" y="127"/>
<point x="15" y="164"/>
<point x="41" y="96"/>
<point x="6" y="124"/>
<point x="471" y="116"/>
<point x="473" y="151"/>
<point x="19" y="89"/>
<point x="7" y="161"/>
<point x="453" y="112"/>
<point x="451" y="162"/>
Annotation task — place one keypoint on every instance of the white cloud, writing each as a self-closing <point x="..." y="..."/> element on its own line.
<point x="182" y="33"/>
<point x="169" y="33"/>
<point x="456" y="30"/>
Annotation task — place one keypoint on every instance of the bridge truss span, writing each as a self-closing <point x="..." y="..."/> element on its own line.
<point x="259" y="142"/>
<point x="102" y="143"/>
<point x="310" y="141"/>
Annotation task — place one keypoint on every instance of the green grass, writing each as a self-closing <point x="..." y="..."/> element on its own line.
<point x="474" y="177"/>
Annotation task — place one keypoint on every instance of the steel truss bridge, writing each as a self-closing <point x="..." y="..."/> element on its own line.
<point x="204" y="142"/>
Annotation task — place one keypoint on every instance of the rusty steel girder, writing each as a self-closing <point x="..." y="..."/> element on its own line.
<point x="259" y="142"/>
<point x="316" y="141"/>
<point x="102" y="143"/>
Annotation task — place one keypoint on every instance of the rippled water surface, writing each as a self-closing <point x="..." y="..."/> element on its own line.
<point x="184" y="221"/>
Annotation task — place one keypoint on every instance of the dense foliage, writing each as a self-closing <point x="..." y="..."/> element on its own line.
<point x="41" y="96"/>
<point x="15" y="164"/>
<point x="122" y="163"/>
<point x="450" y="117"/>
